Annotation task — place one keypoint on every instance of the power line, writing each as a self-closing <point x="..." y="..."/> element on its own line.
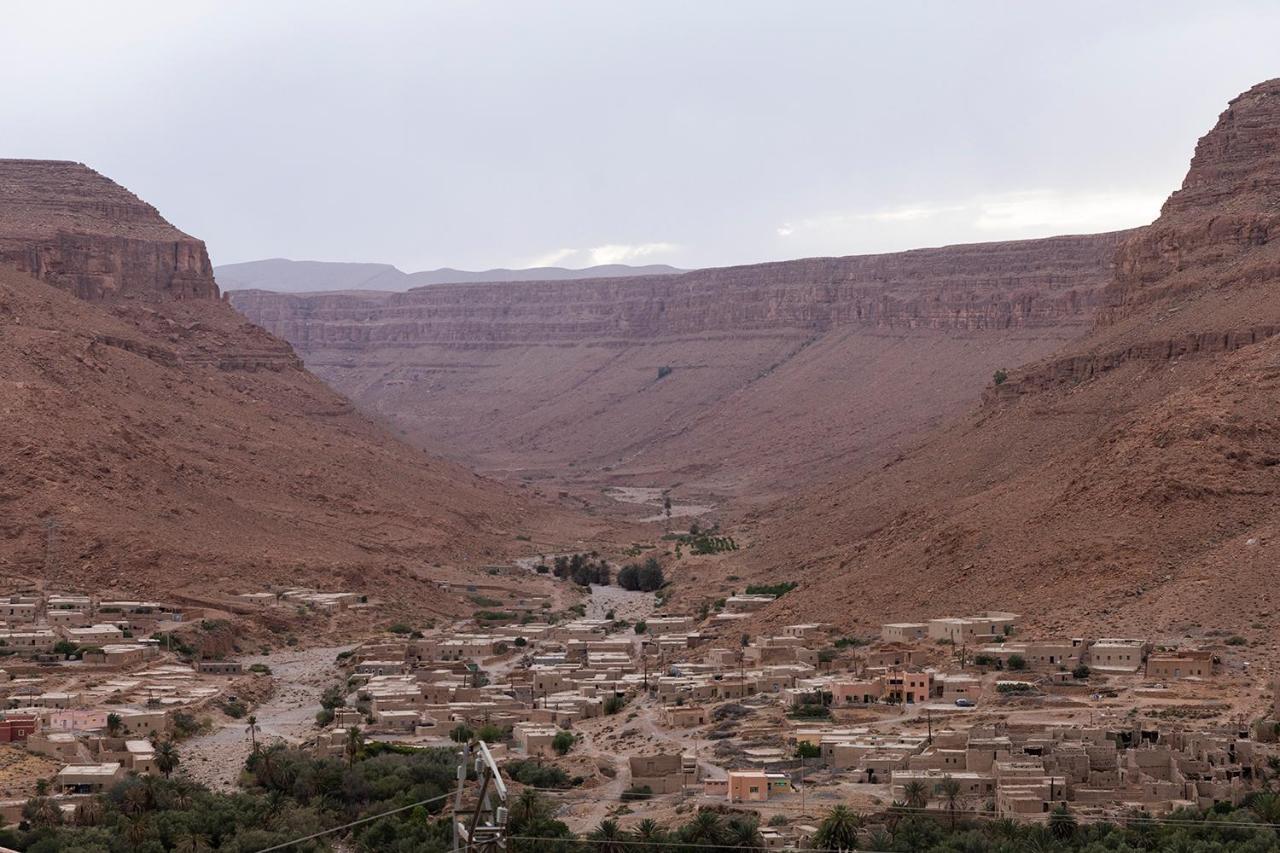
<point x="1119" y="820"/>
<point x="369" y="819"/>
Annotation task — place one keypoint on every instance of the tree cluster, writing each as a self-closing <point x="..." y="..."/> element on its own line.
<point x="642" y="577"/>
<point x="582" y="569"/>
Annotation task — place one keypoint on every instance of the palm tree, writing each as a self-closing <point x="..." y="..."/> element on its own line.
<point x="134" y="800"/>
<point x="355" y="742"/>
<point x="136" y="833"/>
<point x="706" y="828"/>
<point x="252" y="729"/>
<point x="1062" y="823"/>
<point x="42" y="813"/>
<point x="839" y="829"/>
<point x="181" y="799"/>
<point x="650" y="832"/>
<point x="529" y="808"/>
<point x="114" y="724"/>
<point x="167" y="758"/>
<point x="916" y="794"/>
<point x="192" y="842"/>
<point x="743" y="833"/>
<point x="89" y="812"/>
<point x="1266" y="805"/>
<point x="608" y="837"/>
<point x="950" y="790"/>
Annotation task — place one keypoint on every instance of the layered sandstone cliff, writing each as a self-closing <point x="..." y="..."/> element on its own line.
<point x="740" y="381"/>
<point x="69" y="226"/>
<point x="993" y="286"/>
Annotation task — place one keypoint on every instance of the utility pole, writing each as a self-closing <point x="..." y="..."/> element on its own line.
<point x="928" y="716"/>
<point x="802" y="811"/>
<point x="486" y="831"/>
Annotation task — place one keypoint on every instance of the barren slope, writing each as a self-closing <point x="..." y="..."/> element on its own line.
<point x="1129" y="482"/>
<point x="151" y="443"/>
<point x="773" y="374"/>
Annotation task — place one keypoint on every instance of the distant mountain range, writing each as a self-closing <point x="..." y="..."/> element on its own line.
<point x="286" y="276"/>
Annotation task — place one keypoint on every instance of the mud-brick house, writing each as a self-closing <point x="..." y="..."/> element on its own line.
<point x="1185" y="663"/>
<point x="684" y="716"/>
<point x="661" y="774"/>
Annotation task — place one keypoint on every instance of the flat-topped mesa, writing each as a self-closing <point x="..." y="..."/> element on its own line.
<point x="73" y="228"/>
<point x="973" y="288"/>
<point x="1218" y="229"/>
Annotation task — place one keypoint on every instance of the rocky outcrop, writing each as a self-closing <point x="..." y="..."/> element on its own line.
<point x="1195" y="282"/>
<point x="69" y="226"/>
<point x="1219" y="228"/>
<point x="995" y="286"/>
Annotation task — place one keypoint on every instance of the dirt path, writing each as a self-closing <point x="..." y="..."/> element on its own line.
<point x="216" y="759"/>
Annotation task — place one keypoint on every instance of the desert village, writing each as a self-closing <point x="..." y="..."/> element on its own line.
<point x="661" y="713"/>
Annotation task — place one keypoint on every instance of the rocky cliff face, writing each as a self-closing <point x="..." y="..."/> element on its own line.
<point x="1198" y="280"/>
<point x="740" y="380"/>
<point x="1217" y="223"/>
<point x="996" y="286"/>
<point x="69" y="226"/>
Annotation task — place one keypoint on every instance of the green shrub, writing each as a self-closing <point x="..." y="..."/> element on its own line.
<point x="1080" y="671"/>
<point x="804" y="749"/>
<point x="1013" y="687"/>
<point x="1236" y="640"/>
<point x="563" y="742"/>
<point x="777" y="590"/>
<point x="489" y="733"/>
<point x="1017" y="662"/>
<point x="537" y="775"/>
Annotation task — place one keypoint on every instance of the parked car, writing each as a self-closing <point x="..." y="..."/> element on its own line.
<point x="964" y="703"/>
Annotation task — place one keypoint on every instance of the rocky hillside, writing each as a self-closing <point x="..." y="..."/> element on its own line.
<point x="1130" y="481"/>
<point x="740" y="381"/>
<point x="151" y="439"/>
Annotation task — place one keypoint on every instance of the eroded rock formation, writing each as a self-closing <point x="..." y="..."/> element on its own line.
<point x="67" y="225"/>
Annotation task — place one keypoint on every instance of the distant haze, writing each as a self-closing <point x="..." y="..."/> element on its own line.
<point x="572" y="133"/>
<point x="288" y="276"/>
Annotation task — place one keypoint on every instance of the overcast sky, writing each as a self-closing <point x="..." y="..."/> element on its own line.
<point x="692" y="132"/>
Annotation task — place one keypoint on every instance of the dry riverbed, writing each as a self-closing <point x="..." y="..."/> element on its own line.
<point x="217" y="758"/>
